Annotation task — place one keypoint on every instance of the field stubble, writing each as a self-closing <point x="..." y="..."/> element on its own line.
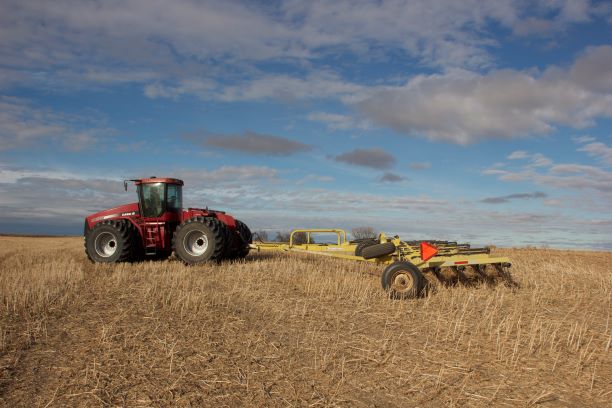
<point x="289" y="330"/>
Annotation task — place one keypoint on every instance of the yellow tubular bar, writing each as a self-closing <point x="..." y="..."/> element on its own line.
<point x="339" y="232"/>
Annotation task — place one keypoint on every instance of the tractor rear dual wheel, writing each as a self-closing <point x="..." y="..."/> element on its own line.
<point x="238" y="241"/>
<point x="200" y="239"/>
<point x="111" y="241"/>
<point x="246" y="238"/>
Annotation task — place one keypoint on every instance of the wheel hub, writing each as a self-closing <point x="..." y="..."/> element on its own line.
<point x="106" y="244"/>
<point x="195" y="243"/>
<point x="402" y="282"/>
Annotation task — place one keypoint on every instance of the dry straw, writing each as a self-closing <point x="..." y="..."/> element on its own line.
<point x="288" y="330"/>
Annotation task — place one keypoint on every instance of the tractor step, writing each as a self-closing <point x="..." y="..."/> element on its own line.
<point x="152" y="235"/>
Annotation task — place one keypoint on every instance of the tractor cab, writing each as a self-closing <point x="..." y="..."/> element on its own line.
<point x="159" y="196"/>
<point x="160" y="201"/>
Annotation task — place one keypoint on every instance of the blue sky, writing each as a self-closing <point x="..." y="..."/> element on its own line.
<point x="486" y="121"/>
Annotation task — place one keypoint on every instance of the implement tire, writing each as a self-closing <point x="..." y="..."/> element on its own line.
<point x="378" y="250"/>
<point x="111" y="241"/>
<point x="364" y="244"/>
<point x="403" y="280"/>
<point x="199" y="239"/>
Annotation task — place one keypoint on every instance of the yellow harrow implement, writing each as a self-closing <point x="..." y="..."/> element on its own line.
<point x="406" y="261"/>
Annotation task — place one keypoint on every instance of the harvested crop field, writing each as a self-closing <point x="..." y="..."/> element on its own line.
<point x="289" y="330"/>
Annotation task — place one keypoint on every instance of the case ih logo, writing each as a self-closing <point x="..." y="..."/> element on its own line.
<point x="106" y="217"/>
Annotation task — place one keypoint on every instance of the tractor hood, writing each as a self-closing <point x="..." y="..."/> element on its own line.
<point x="125" y="210"/>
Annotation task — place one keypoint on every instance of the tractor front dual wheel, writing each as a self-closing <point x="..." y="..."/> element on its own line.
<point x="199" y="239"/>
<point x="111" y="241"/>
<point x="403" y="280"/>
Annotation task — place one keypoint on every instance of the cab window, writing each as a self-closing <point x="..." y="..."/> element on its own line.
<point x="152" y="199"/>
<point x="175" y="197"/>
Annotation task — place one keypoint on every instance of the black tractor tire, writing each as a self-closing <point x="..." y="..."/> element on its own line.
<point x="378" y="250"/>
<point x="228" y="239"/>
<point x="199" y="239"/>
<point x="111" y="241"/>
<point x="246" y="238"/>
<point x="240" y="240"/>
<point x="403" y="280"/>
<point x="364" y="244"/>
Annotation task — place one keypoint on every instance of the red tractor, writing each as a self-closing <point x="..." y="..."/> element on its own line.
<point x="157" y="225"/>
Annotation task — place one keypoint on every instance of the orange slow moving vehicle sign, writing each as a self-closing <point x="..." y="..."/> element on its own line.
<point x="428" y="251"/>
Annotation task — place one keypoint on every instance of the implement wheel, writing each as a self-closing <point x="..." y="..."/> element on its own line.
<point x="110" y="241"/>
<point x="378" y="250"/>
<point x="402" y="280"/>
<point x="199" y="239"/>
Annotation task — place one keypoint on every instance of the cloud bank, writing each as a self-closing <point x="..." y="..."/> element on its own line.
<point x="465" y="107"/>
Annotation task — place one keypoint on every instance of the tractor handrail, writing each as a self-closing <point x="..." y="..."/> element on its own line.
<point x="339" y="232"/>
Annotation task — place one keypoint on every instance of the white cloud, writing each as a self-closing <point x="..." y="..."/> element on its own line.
<point x="10" y="174"/>
<point x="227" y="175"/>
<point x="336" y="121"/>
<point x="285" y="87"/>
<point x="564" y="12"/>
<point x="583" y="139"/>
<point x="118" y="76"/>
<point x="539" y="160"/>
<point x="518" y="155"/>
<point x="599" y="150"/>
<point x="566" y="176"/>
<point x="464" y="107"/>
<point x="153" y="42"/>
<point x="315" y="85"/>
<point x="25" y="125"/>
<point x="592" y="70"/>
<point x="202" y="88"/>
<point x="535" y="159"/>
<point x="248" y="142"/>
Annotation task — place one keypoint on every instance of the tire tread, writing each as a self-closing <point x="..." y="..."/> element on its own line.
<point x="378" y="250"/>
